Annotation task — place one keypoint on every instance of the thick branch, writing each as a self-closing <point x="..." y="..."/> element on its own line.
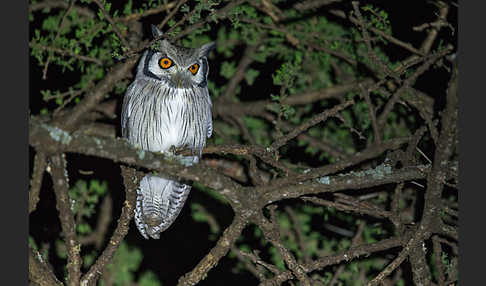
<point x="359" y="157"/>
<point x="431" y="218"/>
<point x="51" y="139"/>
<point x="420" y="269"/>
<point x="445" y="147"/>
<point x="63" y="205"/>
<point x="352" y="181"/>
<point x="39" y="271"/>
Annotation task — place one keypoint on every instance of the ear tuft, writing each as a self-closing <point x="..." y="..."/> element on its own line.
<point x="206" y="49"/>
<point x="156" y="32"/>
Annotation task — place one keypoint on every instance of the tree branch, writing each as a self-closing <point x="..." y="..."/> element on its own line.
<point x="63" y="205"/>
<point x="221" y="248"/>
<point x="52" y="139"/>
<point x="113" y="76"/>
<point x="40" y="162"/>
<point x="131" y="179"/>
<point x="347" y="255"/>
<point x="39" y="271"/>
<point x="315" y="120"/>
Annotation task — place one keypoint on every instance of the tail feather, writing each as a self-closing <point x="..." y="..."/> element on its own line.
<point x="159" y="202"/>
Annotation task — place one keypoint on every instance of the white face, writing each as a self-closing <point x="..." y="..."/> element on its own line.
<point x="176" y="70"/>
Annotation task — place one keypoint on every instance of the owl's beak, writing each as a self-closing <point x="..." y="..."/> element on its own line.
<point x="180" y="80"/>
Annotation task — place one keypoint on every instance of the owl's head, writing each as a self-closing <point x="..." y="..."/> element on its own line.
<point x="175" y="66"/>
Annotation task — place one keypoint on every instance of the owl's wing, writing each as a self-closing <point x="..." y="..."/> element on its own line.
<point x="126" y="111"/>
<point x="209" y="117"/>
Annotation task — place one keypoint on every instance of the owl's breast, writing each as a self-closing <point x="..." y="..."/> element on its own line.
<point x="166" y="117"/>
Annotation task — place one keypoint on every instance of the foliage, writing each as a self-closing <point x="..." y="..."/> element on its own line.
<point x="125" y="263"/>
<point x="291" y="53"/>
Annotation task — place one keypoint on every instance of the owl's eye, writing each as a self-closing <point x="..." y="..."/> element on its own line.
<point x="194" y="68"/>
<point x="165" y="63"/>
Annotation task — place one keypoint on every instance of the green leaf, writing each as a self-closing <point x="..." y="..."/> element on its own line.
<point x="148" y="278"/>
<point x="251" y="75"/>
<point x="228" y="69"/>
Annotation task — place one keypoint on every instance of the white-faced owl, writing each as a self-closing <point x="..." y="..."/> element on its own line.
<point x="167" y="107"/>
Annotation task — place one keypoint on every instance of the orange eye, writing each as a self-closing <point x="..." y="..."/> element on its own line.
<point x="165" y="63"/>
<point x="194" y="68"/>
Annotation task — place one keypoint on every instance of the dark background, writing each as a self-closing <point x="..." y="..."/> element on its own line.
<point x="186" y="241"/>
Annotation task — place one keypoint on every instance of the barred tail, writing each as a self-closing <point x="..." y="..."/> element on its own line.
<point x="159" y="202"/>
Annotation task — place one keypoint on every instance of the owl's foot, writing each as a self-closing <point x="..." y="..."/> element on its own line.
<point x="184" y="160"/>
<point x="187" y="160"/>
<point x="172" y="151"/>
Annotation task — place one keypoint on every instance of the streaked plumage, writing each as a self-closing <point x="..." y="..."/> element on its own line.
<point x="167" y="106"/>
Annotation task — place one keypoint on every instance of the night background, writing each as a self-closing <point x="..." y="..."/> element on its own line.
<point x="269" y="53"/>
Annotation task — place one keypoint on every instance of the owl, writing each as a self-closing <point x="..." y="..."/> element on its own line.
<point x="166" y="107"/>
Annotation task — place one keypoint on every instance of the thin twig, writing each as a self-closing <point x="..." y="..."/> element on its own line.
<point x="97" y="237"/>
<point x="372" y="113"/>
<point x="68" y="10"/>
<point x="40" y="163"/>
<point x="313" y="4"/>
<point x="296" y="225"/>
<point x="221" y="13"/>
<point x="416" y="241"/>
<point x="272" y="234"/>
<point x="221" y="248"/>
<point x="73" y="95"/>
<point x="89" y="102"/>
<point x="371" y="54"/>
<point x="315" y="120"/>
<point x="354" y="206"/>
<point x="66" y="53"/>
<point x="148" y="12"/>
<point x="172" y="13"/>
<point x="438" y="260"/>
<point x="245" y="257"/>
<point x="376" y="31"/>
<point x="354" y="242"/>
<point x="408" y="83"/>
<point x="113" y="25"/>
<point x="342" y="256"/>
<point x="240" y="74"/>
<point x="130" y="179"/>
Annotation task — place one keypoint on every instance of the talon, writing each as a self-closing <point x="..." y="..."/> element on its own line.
<point x="172" y="150"/>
